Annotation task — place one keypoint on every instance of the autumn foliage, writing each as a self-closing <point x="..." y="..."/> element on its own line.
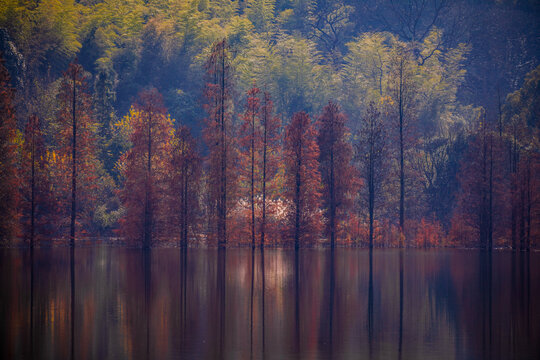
<point x="185" y="186"/>
<point x="39" y="214"/>
<point x="338" y="175"/>
<point x="146" y="170"/>
<point x="472" y="181"/>
<point x="75" y="162"/>
<point x="8" y="160"/>
<point x="302" y="181"/>
<point x="219" y="136"/>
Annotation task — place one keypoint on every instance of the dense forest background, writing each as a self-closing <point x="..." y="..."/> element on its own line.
<point x="441" y="97"/>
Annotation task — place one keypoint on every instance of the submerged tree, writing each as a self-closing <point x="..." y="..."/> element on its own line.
<point x="220" y="140"/>
<point x="8" y="160"/>
<point x="302" y="180"/>
<point x="146" y="168"/>
<point x="335" y="167"/>
<point x="186" y="174"/>
<point x="76" y="164"/>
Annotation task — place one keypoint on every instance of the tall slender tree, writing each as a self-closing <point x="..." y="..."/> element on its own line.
<point x="270" y="146"/>
<point x="8" y="150"/>
<point x="249" y="146"/>
<point x="219" y="136"/>
<point x="473" y="215"/>
<point x="77" y="146"/>
<point x="146" y="169"/>
<point x="303" y="180"/>
<point x="371" y="154"/>
<point x="186" y="174"/>
<point x="335" y="167"/>
<point x="403" y="94"/>
<point x="37" y="205"/>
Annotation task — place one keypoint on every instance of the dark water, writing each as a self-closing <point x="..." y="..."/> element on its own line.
<point x="210" y="304"/>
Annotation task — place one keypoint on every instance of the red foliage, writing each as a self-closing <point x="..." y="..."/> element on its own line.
<point x="271" y="156"/>
<point x="336" y="170"/>
<point x="74" y="181"/>
<point x="429" y="234"/>
<point x="477" y="221"/>
<point x="38" y="209"/>
<point x="8" y="160"/>
<point x="250" y="156"/>
<point x="526" y="200"/>
<point x="146" y="169"/>
<point x="219" y="137"/>
<point x="302" y="180"/>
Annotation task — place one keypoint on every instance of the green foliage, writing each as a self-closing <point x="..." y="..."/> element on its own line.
<point x="525" y="102"/>
<point x="261" y="14"/>
<point x="435" y="74"/>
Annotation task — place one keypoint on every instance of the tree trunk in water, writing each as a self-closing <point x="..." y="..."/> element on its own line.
<point x="72" y="279"/>
<point x="400" y="345"/>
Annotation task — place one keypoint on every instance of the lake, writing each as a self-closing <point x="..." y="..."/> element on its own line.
<point x="237" y="304"/>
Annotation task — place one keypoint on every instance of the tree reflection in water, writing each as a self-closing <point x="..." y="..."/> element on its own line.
<point x="268" y="303"/>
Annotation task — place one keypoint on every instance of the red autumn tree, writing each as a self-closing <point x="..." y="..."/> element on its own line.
<point x="38" y="209"/>
<point x="219" y="137"/>
<point x="302" y="180"/>
<point x="473" y="218"/>
<point x="429" y="234"/>
<point x="8" y="160"/>
<point x="76" y="163"/>
<point x="270" y="146"/>
<point x="337" y="173"/>
<point x="525" y="194"/>
<point x="249" y="152"/>
<point x="185" y="188"/>
<point x="146" y="168"/>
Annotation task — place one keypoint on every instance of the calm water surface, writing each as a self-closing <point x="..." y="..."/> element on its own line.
<point x="238" y="304"/>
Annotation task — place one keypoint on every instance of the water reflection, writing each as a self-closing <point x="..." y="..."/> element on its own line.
<point x="271" y="304"/>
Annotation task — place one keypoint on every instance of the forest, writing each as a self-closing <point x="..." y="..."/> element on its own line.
<point x="285" y="123"/>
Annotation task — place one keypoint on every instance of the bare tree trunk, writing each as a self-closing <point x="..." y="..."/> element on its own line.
<point x="253" y="180"/>
<point x="265" y="145"/>
<point x="73" y="164"/>
<point x="401" y="161"/>
<point x="223" y="213"/>
<point x="185" y="207"/>
<point x="297" y="196"/>
<point x="490" y="221"/>
<point x="33" y="191"/>
<point x="528" y="235"/>
<point x="332" y="201"/>
<point x="147" y="205"/>
<point x="371" y="190"/>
